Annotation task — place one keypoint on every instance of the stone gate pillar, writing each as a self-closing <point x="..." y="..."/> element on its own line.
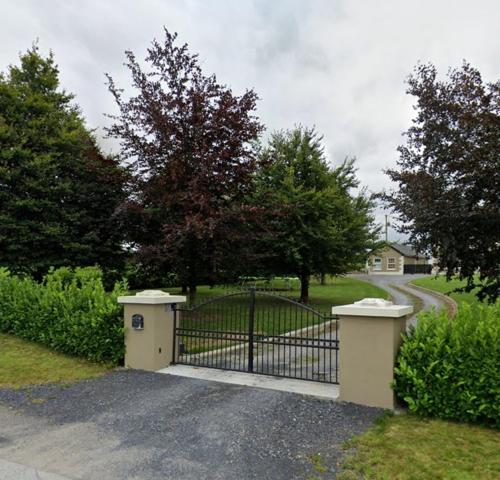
<point x="370" y="336"/>
<point x="149" y="329"/>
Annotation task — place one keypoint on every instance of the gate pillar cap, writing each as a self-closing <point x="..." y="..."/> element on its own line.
<point x="373" y="307"/>
<point x="152" y="297"/>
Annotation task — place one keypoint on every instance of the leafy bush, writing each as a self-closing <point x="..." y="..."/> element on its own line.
<point x="70" y="311"/>
<point x="450" y="368"/>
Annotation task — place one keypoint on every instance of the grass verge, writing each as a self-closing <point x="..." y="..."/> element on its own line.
<point x="25" y="363"/>
<point x="439" y="284"/>
<point x="406" y="447"/>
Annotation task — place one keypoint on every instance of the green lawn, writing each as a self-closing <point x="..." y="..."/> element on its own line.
<point x="337" y="291"/>
<point x="439" y="284"/>
<point x="408" y="448"/>
<point x="25" y="363"/>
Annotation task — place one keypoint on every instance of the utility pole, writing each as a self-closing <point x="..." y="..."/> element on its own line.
<point x="386" y="229"/>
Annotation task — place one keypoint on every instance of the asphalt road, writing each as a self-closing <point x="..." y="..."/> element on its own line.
<point x="138" y="425"/>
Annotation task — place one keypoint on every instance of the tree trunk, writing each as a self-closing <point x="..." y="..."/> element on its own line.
<point x="192" y="293"/>
<point x="184" y="290"/>
<point x="322" y="279"/>
<point x="304" y="288"/>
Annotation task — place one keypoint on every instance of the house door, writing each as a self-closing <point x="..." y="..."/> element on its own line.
<point x="377" y="264"/>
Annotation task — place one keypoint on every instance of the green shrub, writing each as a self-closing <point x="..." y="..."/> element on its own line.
<point x="70" y="311"/>
<point x="451" y="368"/>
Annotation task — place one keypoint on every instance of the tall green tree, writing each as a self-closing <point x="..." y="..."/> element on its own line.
<point x="448" y="175"/>
<point x="58" y="192"/>
<point x="322" y="227"/>
<point x="190" y="141"/>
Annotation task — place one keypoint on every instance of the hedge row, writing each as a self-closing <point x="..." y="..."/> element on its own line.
<point x="451" y="368"/>
<point x="69" y="311"/>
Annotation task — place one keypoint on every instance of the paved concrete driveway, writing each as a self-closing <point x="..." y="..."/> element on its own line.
<point x="139" y="425"/>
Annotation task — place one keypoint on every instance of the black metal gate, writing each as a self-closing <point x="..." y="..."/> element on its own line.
<point x="258" y="332"/>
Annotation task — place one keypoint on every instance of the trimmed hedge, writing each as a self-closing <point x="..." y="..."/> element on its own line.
<point x="450" y="368"/>
<point x="69" y="312"/>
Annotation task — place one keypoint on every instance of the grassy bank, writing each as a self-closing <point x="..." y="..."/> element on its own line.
<point x="439" y="284"/>
<point x="25" y="363"/>
<point x="409" y="448"/>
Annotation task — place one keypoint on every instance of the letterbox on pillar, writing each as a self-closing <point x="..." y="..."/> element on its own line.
<point x="370" y="335"/>
<point x="149" y="328"/>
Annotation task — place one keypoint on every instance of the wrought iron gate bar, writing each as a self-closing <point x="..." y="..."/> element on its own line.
<point x="218" y="332"/>
<point x="258" y="332"/>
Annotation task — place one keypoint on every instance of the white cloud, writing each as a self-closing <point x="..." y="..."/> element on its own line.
<point x="339" y="65"/>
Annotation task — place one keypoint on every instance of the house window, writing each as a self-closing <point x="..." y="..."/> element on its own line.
<point x="391" y="263"/>
<point x="377" y="264"/>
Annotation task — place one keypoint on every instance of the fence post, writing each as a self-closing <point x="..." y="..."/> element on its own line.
<point x="149" y="329"/>
<point x="370" y="336"/>
<point x="251" y="318"/>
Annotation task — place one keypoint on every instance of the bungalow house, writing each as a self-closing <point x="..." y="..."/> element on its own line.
<point x="397" y="259"/>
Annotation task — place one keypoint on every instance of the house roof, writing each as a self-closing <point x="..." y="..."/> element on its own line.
<point x="405" y="250"/>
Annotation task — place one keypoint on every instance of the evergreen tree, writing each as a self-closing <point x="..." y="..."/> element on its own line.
<point x="58" y="192"/>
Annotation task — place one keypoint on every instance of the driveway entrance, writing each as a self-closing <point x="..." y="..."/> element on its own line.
<point x="258" y="332"/>
<point x="135" y="425"/>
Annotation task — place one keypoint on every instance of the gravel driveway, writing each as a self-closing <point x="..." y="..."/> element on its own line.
<point x="140" y="425"/>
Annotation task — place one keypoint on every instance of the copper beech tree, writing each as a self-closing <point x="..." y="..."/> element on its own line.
<point x="448" y="175"/>
<point x="190" y="142"/>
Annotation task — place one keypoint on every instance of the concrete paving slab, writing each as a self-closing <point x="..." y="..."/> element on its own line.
<point x="304" y="387"/>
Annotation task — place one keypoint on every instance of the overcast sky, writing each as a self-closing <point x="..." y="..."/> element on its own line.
<point x="337" y="64"/>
